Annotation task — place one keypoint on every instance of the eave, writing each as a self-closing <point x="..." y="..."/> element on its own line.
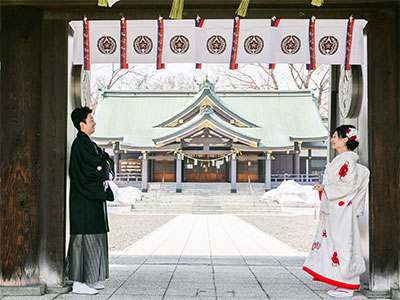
<point x="206" y="119"/>
<point x="207" y="97"/>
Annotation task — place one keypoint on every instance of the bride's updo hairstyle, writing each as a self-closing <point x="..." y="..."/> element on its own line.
<point x="350" y="132"/>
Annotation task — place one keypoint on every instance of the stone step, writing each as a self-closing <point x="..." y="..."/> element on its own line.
<point x="205" y="212"/>
<point x="204" y="198"/>
<point x="189" y="209"/>
<point x="206" y="187"/>
<point x="210" y="199"/>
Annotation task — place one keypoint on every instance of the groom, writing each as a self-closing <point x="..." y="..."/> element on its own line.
<point x="88" y="170"/>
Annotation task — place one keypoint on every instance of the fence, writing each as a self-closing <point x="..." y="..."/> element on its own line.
<point x="128" y="177"/>
<point x="275" y="178"/>
<point x="299" y="178"/>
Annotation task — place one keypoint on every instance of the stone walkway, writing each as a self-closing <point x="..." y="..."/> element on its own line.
<point x="206" y="257"/>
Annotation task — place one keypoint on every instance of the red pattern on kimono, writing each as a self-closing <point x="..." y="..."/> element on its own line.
<point x="344" y="169"/>
<point x="335" y="260"/>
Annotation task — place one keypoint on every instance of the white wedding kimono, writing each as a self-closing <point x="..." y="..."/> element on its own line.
<point x="336" y="256"/>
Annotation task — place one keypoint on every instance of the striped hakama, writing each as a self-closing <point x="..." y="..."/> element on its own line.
<point x="87" y="259"/>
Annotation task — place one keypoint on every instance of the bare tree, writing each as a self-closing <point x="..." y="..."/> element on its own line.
<point x="323" y="87"/>
<point x="302" y="79"/>
<point x="172" y="81"/>
<point x="270" y="75"/>
<point x="260" y="77"/>
<point x="109" y="76"/>
<point x="245" y="79"/>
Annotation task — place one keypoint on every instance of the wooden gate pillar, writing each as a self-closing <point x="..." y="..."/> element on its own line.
<point x="53" y="151"/>
<point x="384" y="148"/>
<point x="33" y="116"/>
<point x="20" y="112"/>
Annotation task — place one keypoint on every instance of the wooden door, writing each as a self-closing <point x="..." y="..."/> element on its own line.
<point x="164" y="167"/>
<point x="204" y="171"/>
<point x="246" y="168"/>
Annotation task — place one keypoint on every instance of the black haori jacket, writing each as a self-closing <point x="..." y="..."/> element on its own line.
<point x="88" y="170"/>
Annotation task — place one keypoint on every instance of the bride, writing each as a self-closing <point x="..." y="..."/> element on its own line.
<point x="336" y="256"/>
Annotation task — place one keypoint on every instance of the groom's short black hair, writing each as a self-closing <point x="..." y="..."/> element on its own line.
<point x="79" y="115"/>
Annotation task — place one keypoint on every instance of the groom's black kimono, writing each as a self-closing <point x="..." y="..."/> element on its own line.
<point x="88" y="248"/>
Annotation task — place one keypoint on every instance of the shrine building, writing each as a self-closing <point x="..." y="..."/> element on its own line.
<point x="212" y="136"/>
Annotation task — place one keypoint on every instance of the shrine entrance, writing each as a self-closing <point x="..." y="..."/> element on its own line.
<point x="164" y="170"/>
<point x="248" y="170"/>
<point x="205" y="171"/>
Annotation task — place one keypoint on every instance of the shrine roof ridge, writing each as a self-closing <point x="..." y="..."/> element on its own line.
<point x="173" y="93"/>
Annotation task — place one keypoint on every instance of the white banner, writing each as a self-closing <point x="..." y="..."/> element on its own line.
<point x="289" y="42"/>
<point x="215" y="41"/>
<point x="258" y="42"/>
<point x="254" y="41"/>
<point x="78" y="42"/>
<point x="330" y="41"/>
<point x="104" y="41"/>
<point x="142" y="37"/>
<point x="179" y="41"/>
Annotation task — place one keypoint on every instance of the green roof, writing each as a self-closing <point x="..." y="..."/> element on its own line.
<point x="207" y="118"/>
<point x="281" y="117"/>
<point x="207" y="94"/>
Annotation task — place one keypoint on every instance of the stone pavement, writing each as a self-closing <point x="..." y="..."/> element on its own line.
<point x="206" y="257"/>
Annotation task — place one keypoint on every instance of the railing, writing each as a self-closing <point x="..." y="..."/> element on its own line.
<point x="128" y="177"/>
<point x="250" y="185"/>
<point x="159" y="192"/>
<point x="299" y="178"/>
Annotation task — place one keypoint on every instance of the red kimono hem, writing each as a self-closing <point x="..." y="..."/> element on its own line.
<point x="330" y="281"/>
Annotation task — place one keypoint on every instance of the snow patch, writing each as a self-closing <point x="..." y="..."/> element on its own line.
<point x="125" y="195"/>
<point x="290" y="191"/>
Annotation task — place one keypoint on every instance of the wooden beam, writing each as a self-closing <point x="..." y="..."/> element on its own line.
<point x="202" y="141"/>
<point x="244" y="157"/>
<point x="189" y="3"/>
<point x="171" y="157"/>
<point x="20" y="113"/>
<point x="210" y="152"/>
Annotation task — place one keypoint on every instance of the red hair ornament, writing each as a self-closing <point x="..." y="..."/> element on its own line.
<point x="352" y="134"/>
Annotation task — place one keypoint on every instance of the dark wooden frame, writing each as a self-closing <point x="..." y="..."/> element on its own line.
<point x="33" y="118"/>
